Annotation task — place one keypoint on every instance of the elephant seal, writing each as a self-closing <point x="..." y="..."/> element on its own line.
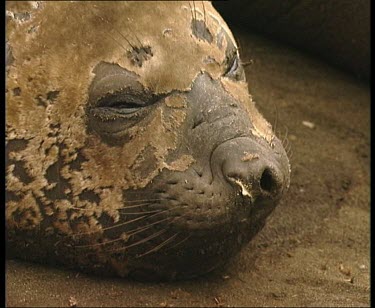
<point x="133" y="147"/>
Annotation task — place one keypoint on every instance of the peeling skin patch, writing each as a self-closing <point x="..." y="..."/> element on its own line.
<point x="249" y="156"/>
<point x="181" y="164"/>
<point x="19" y="17"/>
<point x="17" y="91"/>
<point x="145" y="163"/>
<point x="23" y="214"/>
<point x="41" y="101"/>
<point x="32" y="29"/>
<point x="210" y="60"/>
<point x="52" y="95"/>
<point x="200" y="30"/>
<point x="22" y="16"/>
<point x="9" y="59"/>
<point x="138" y="55"/>
<point x="176" y="101"/>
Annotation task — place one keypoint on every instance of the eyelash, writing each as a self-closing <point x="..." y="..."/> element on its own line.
<point x="234" y="66"/>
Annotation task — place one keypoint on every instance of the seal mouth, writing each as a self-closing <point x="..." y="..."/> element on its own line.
<point x="201" y="207"/>
<point x="192" y="247"/>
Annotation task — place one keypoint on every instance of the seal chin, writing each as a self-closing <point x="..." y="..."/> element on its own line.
<point x="200" y="242"/>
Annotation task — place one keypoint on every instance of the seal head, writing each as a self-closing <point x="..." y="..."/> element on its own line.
<point x="133" y="148"/>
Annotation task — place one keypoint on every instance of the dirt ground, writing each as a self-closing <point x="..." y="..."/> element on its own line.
<point x="314" y="250"/>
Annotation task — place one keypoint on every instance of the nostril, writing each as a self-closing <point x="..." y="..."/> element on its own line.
<point x="267" y="181"/>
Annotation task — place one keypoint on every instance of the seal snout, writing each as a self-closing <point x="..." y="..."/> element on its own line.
<point x="251" y="168"/>
<point x="253" y="180"/>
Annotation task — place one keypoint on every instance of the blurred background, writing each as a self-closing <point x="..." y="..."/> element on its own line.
<point x="337" y="31"/>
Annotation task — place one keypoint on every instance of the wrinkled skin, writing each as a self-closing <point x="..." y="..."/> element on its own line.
<point x="133" y="147"/>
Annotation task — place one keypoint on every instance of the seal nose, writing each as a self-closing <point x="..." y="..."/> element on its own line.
<point x="255" y="179"/>
<point x="253" y="169"/>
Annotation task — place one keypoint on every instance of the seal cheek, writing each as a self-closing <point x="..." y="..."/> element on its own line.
<point x="146" y="163"/>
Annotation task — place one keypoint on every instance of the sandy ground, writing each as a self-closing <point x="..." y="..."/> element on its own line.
<point x="314" y="250"/>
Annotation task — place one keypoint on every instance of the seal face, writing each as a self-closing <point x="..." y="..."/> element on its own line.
<point x="133" y="148"/>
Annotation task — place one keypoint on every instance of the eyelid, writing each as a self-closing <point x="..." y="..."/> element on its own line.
<point x="123" y="98"/>
<point x="111" y="78"/>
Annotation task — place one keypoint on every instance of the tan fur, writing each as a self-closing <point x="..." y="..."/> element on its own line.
<point x="57" y="50"/>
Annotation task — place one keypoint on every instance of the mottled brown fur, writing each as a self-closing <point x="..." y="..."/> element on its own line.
<point x="54" y="53"/>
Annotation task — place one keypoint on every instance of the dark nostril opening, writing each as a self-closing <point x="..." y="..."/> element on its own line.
<point x="267" y="182"/>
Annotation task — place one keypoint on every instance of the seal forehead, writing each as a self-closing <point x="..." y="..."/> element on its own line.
<point x="109" y="31"/>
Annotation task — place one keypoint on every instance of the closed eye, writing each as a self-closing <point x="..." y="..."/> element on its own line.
<point x="122" y="103"/>
<point x="233" y="67"/>
<point x="115" y="112"/>
<point x="235" y="70"/>
<point x="112" y="115"/>
<point x="126" y="97"/>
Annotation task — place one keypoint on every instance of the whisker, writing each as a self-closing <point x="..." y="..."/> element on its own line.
<point x="276" y="117"/>
<point x="126" y="207"/>
<point x="120" y="225"/>
<point x="204" y="13"/>
<point x="144" y="200"/>
<point x="195" y="11"/>
<point x="136" y="37"/>
<point x="112" y="227"/>
<point x="290" y="155"/>
<point x="133" y="232"/>
<point x="141" y="229"/>
<point x="107" y="32"/>
<point x="133" y="220"/>
<point x="139" y="213"/>
<point x="191" y="11"/>
<point x="136" y="205"/>
<point x="79" y="208"/>
<point x="146" y="239"/>
<point x="98" y="244"/>
<point x="178" y="243"/>
<point x="286" y="143"/>
<point x="105" y="20"/>
<point x="158" y="246"/>
<point x="246" y="63"/>
<point x="129" y="234"/>
<point x="286" y="131"/>
<point x="239" y="48"/>
<point x="193" y="16"/>
<point x="289" y="149"/>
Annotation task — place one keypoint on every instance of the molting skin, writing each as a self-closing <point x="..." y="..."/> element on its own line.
<point x="133" y="149"/>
